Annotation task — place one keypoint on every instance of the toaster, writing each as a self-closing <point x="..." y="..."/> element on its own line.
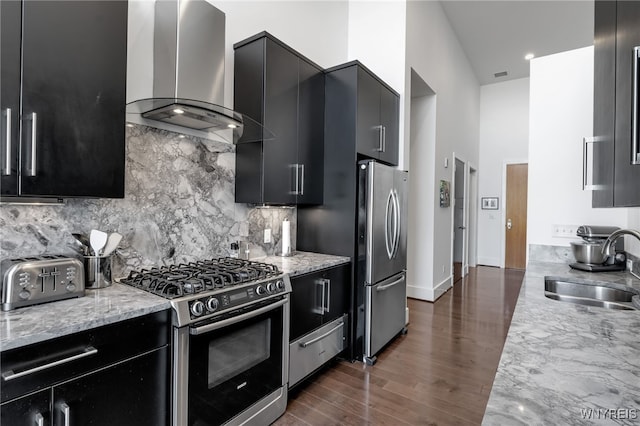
<point x="39" y="279"/>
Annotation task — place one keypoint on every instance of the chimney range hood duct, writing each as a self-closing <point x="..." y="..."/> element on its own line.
<point x="176" y="67"/>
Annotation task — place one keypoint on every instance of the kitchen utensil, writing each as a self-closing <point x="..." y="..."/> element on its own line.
<point x="112" y="243"/>
<point x="84" y="241"/>
<point x="97" y="239"/>
<point x="97" y="271"/>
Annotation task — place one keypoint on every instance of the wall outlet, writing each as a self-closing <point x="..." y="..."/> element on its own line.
<point x="267" y="236"/>
<point x="564" y="231"/>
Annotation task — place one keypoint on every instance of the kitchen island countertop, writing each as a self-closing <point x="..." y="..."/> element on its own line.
<point x="118" y="302"/>
<point x="564" y="363"/>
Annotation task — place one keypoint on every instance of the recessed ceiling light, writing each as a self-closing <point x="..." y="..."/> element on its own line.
<point x="231" y="126"/>
<point x="500" y="74"/>
<point x="178" y="111"/>
<point x="529" y="56"/>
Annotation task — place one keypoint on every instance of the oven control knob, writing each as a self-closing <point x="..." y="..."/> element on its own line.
<point x="271" y="287"/>
<point x="197" y="308"/>
<point x="261" y="290"/>
<point x="280" y="285"/>
<point x="212" y="304"/>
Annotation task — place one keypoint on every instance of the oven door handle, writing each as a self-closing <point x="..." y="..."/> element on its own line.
<point x="216" y="325"/>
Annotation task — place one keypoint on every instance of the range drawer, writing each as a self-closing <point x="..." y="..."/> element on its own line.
<point x="312" y="350"/>
<point x="41" y="365"/>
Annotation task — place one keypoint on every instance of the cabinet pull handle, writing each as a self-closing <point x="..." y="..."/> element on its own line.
<point x="301" y="180"/>
<point x="384" y="139"/>
<point x="317" y="339"/>
<point x="34" y="139"/>
<point x="39" y="419"/>
<point x="66" y="414"/>
<point x="586" y="186"/>
<point x="635" y="155"/>
<point x="386" y="287"/>
<point x="327" y="307"/>
<point x="10" y="375"/>
<point x="380" y="138"/>
<point x="6" y="167"/>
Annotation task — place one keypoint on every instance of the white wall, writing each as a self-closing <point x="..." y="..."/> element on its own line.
<point x="561" y="114"/>
<point x="434" y="53"/>
<point x="316" y="29"/>
<point x="377" y="35"/>
<point x="504" y="138"/>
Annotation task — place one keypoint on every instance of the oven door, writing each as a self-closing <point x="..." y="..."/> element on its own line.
<point x="233" y="363"/>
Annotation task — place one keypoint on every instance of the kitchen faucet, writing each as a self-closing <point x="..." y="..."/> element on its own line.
<point x="606" y="247"/>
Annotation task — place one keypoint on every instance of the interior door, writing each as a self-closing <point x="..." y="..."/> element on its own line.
<point x="516" y="216"/>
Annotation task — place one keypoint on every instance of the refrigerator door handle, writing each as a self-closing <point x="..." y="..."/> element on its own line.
<point x="396" y="242"/>
<point x="388" y="239"/>
<point x="388" y="286"/>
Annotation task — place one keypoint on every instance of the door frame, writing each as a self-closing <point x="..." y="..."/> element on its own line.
<point x="465" y="212"/>
<point x="472" y="217"/>
<point x="503" y="210"/>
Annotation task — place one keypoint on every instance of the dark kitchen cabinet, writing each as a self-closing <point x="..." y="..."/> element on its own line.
<point x="63" y="98"/>
<point x="30" y="410"/>
<point x="319" y="320"/>
<point x="284" y="92"/>
<point x="375" y="112"/>
<point x="318" y="298"/>
<point x="91" y="377"/>
<point x="616" y="34"/>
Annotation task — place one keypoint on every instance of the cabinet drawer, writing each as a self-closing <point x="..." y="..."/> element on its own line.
<point x="311" y="351"/>
<point x="41" y="365"/>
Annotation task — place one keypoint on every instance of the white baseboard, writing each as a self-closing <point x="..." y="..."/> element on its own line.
<point x="430" y="294"/>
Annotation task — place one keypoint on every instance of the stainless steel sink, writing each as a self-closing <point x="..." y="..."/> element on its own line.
<point x="588" y="293"/>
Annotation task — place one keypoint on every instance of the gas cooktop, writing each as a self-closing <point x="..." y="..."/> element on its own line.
<point x="207" y="288"/>
<point x="197" y="277"/>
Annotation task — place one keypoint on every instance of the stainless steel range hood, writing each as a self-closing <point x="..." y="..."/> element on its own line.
<point x="175" y="74"/>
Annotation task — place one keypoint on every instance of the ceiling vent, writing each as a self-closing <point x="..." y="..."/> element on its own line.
<point x="500" y="74"/>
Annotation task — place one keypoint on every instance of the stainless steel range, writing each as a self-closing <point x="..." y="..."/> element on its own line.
<point x="230" y="339"/>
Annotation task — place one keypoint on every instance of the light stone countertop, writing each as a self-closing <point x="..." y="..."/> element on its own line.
<point x="303" y="262"/>
<point x="567" y="364"/>
<point x="118" y="302"/>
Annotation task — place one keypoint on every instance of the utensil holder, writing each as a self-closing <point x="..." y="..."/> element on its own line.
<point x="97" y="271"/>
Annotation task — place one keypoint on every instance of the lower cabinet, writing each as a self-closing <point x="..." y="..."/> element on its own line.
<point x="113" y="375"/>
<point x="319" y="319"/>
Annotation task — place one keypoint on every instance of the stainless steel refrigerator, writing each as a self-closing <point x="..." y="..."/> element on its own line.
<point x="381" y="271"/>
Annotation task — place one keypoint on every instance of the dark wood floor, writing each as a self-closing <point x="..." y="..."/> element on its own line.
<point x="440" y="373"/>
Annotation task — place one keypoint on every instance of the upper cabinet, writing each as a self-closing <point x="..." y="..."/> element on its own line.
<point x="63" y="98"/>
<point x="615" y="146"/>
<point x="284" y="92"/>
<point x="374" y="112"/>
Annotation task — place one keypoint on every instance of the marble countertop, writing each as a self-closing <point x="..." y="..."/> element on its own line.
<point x="303" y="262"/>
<point x="118" y="302"/>
<point x="98" y="307"/>
<point x="564" y="363"/>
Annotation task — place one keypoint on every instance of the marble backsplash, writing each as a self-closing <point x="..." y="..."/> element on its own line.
<point x="178" y="206"/>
